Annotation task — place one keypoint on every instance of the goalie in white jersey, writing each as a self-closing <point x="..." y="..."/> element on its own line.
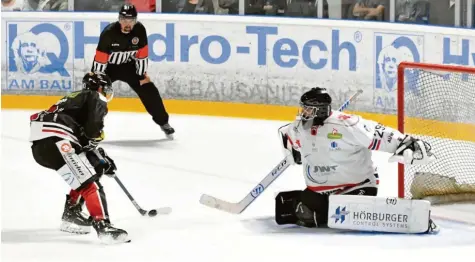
<point x="335" y="151"/>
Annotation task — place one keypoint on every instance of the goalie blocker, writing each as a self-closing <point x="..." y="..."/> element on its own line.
<point x="356" y="212"/>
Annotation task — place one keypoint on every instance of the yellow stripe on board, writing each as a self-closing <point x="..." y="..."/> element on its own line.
<point x="449" y="130"/>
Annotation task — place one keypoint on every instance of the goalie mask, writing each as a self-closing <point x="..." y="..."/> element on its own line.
<point x="315" y="105"/>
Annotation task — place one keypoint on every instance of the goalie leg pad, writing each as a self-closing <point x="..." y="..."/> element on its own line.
<point x="379" y="214"/>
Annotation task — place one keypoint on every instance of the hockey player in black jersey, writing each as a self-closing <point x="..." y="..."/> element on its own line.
<point x="65" y="138"/>
<point x="122" y="53"/>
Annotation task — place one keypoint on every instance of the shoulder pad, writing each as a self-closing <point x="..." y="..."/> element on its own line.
<point x="139" y="26"/>
<point x="340" y="118"/>
<point x="110" y="27"/>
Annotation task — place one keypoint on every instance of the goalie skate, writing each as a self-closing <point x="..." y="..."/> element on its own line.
<point x="108" y="234"/>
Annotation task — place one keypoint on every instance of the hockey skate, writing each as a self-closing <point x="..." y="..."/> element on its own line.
<point x="168" y="130"/>
<point x="73" y="220"/>
<point x="108" y="234"/>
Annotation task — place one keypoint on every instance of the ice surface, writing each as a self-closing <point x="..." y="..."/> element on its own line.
<point x="223" y="157"/>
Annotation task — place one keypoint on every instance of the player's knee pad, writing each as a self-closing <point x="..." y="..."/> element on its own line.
<point x="313" y="209"/>
<point x="285" y="203"/>
<point x="305" y="208"/>
<point x="77" y="170"/>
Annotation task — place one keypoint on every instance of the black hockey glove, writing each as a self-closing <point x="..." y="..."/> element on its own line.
<point x="106" y="164"/>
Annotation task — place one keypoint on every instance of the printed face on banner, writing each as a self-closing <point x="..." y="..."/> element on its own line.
<point x="390" y="50"/>
<point x="40" y="56"/>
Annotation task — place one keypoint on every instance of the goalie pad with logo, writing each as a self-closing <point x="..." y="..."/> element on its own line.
<point x="380" y="214"/>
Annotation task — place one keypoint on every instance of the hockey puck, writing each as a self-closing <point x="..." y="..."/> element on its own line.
<point x="152" y="213"/>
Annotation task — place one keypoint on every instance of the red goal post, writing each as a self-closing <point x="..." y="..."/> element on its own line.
<point x="437" y="103"/>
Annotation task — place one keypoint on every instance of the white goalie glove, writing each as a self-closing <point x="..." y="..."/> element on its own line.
<point x="413" y="151"/>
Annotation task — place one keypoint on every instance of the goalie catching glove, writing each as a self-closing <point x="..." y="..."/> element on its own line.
<point x="413" y="151"/>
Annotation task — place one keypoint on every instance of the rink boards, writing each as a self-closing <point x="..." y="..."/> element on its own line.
<point x="457" y="131"/>
<point x="246" y="67"/>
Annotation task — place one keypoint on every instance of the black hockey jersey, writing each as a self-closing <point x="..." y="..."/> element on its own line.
<point x="77" y="117"/>
<point x="116" y="48"/>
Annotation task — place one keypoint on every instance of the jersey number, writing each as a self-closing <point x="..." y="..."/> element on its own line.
<point x="379" y="131"/>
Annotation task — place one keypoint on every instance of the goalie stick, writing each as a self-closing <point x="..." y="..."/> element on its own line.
<point x="239" y="207"/>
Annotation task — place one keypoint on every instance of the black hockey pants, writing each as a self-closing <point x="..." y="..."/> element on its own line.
<point x="148" y="93"/>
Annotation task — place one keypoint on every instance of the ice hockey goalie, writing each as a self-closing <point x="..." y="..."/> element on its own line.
<point x="335" y="152"/>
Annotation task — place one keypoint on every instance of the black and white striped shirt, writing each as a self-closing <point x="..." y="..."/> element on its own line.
<point x="116" y="48"/>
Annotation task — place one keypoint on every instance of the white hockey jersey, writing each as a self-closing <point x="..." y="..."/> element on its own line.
<point x="337" y="155"/>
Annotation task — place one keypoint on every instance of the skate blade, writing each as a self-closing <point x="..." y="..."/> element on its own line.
<point x="170" y="137"/>
<point x="74" y="228"/>
<point x="109" y="239"/>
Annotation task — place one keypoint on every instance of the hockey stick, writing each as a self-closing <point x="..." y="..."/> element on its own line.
<point x="351" y="99"/>
<point x="143" y="212"/>
<point x="239" y="207"/>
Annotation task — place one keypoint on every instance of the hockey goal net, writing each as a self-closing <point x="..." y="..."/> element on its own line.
<point x="437" y="103"/>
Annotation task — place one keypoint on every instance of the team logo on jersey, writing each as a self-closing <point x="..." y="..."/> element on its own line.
<point x="319" y="174"/>
<point x="334" y="134"/>
<point x="334" y="146"/>
<point x="314" y="130"/>
<point x="135" y="40"/>
<point x="344" y="117"/>
<point x="391" y="49"/>
<point x="40" y="55"/>
<point x="340" y="214"/>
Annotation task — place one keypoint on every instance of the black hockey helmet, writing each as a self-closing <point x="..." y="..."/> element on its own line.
<point x="127" y="18"/>
<point x="315" y="104"/>
<point x="95" y="81"/>
<point x="128" y="11"/>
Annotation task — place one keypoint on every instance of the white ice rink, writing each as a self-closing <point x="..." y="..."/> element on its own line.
<point x="220" y="156"/>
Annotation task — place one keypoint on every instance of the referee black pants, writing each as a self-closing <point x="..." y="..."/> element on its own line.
<point x="148" y="93"/>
